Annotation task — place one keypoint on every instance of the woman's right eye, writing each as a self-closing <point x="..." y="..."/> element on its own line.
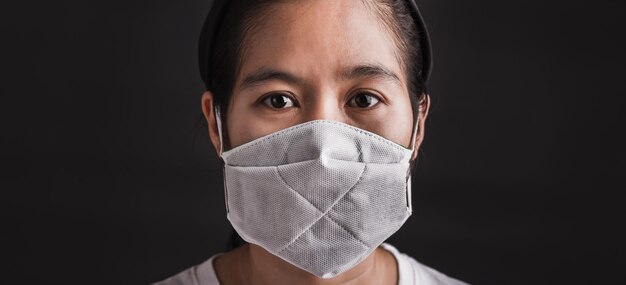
<point x="279" y="101"/>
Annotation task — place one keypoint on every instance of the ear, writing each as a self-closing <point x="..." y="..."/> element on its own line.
<point x="208" y="109"/>
<point x="424" y="107"/>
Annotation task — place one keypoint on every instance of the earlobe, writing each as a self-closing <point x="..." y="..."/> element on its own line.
<point x="424" y="107"/>
<point x="208" y="109"/>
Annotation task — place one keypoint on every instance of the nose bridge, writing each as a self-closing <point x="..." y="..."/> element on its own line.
<point x="324" y="104"/>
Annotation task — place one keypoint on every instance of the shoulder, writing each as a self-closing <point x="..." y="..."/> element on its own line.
<point x="201" y="274"/>
<point x="412" y="272"/>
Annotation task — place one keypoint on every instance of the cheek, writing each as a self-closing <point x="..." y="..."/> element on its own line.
<point x="241" y="126"/>
<point x="396" y="124"/>
<point x="244" y="124"/>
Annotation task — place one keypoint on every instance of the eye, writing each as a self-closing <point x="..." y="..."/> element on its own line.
<point x="363" y="100"/>
<point x="279" y="101"/>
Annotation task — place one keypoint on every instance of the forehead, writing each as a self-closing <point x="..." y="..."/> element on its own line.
<point x="318" y="37"/>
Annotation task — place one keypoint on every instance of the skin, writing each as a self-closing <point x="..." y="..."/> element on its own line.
<point x="320" y="58"/>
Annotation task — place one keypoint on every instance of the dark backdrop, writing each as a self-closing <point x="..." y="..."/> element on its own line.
<point x="107" y="178"/>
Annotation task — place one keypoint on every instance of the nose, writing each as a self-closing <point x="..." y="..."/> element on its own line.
<point x="324" y="106"/>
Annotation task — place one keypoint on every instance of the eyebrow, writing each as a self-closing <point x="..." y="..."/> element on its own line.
<point x="370" y="70"/>
<point x="365" y="70"/>
<point x="267" y="74"/>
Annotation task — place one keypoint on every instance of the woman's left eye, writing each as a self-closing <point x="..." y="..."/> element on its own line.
<point x="363" y="100"/>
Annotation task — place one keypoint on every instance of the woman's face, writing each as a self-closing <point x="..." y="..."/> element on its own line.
<point x="322" y="59"/>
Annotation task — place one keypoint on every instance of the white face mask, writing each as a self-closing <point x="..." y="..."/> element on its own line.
<point x="321" y="195"/>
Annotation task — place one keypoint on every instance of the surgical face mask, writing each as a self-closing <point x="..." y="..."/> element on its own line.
<point x="321" y="195"/>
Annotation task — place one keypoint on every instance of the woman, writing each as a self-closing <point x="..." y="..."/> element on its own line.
<point x="317" y="109"/>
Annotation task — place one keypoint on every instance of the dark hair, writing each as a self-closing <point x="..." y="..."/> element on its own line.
<point x="240" y="17"/>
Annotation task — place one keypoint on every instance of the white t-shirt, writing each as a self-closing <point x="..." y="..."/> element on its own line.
<point x="410" y="272"/>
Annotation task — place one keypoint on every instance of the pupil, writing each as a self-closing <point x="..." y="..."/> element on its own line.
<point x="363" y="101"/>
<point x="278" y="101"/>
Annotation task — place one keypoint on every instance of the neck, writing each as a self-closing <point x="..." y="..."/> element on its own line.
<point x="256" y="266"/>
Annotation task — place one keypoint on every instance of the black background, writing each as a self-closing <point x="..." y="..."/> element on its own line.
<point x="107" y="177"/>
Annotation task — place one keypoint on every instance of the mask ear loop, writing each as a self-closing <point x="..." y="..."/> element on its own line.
<point x="409" y="199"/>
<point x="414" y="135"/>
<point x="218" y="120"/>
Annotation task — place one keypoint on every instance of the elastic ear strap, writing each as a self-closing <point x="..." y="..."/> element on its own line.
<point x="218" y="120"/>
<point x="417" y="118"/>
<point x="408" y="182"/>
<point x="408" y="194"/>
<point x="415" y="129"/>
